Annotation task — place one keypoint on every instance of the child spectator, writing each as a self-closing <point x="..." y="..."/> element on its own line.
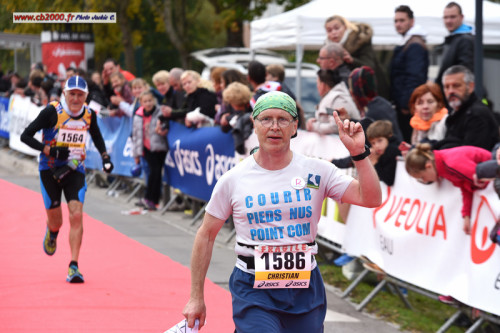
<point x="457" y="164"/>
<point x="149" y="140"/>
<point x="384" y="150"/>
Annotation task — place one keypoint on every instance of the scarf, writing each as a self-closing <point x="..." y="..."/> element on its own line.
<point x="419" y="124"/>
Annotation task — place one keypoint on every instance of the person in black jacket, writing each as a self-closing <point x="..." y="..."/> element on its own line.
<point x="458" y="46"/>
<point x="470" y="123"/>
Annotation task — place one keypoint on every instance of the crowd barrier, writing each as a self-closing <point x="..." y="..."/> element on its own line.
<point x="415" y="235"/>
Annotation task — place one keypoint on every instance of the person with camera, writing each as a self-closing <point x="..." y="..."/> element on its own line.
<point x="64" y="128"/>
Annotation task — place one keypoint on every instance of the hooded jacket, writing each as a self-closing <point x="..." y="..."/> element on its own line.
<point x="458" y="49"/>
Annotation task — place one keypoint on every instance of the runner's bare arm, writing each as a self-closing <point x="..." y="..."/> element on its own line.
<point x="200" y="260"/>
<point x="365" y="191"/>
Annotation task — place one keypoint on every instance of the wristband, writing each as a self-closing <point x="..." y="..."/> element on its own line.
<point x="363" y="155"/>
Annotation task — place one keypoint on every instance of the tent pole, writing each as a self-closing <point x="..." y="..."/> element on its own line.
<point x="478" y="51"/>
<point x="299" y="53"/>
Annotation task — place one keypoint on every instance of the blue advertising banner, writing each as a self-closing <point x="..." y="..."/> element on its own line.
<point x="197" y="159"/>
<point x="116" y="133"/>
<point x="4" y="117"/>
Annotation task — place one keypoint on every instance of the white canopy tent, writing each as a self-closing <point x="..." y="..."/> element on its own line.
<point x="305" y="25"/>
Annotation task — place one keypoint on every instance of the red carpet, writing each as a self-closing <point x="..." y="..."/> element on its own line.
<point x="128" y="286"/>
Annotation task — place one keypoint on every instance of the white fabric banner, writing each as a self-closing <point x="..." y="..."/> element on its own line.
<point x="416" y="235"/>
<point x="21" y="113"/>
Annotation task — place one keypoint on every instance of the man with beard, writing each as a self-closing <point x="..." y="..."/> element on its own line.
<point x="470" y="123"/>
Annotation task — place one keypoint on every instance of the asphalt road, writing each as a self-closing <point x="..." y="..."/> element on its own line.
<point x="172" y="234"/>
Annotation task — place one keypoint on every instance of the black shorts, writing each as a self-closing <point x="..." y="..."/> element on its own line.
<point x="73" y="185"/>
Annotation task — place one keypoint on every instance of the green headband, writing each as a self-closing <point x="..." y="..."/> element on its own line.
<point x="275" y="100"/>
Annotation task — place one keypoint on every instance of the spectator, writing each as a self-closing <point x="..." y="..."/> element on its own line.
<point x="111" y="66"/>
<point x="409" y="66"/>
<point x="20" y="88"/>
<point x="491" y="170"/>
<point x="196" y="97"/>
<point x="216" y="78"/>
<point x="257" y="78"/>
<point x="174" y="80"/>
<point x="334" y="95"/>
<point x="384" y="150"/>
<point x="356" y="38"/>
<point x="229" y="76"/>
<point x="237" y="95"/>
<point x="371" y="106"/>
<point x="150" y="141"/>
<point x="122" y="93"/>
<point x="70" y="71"/>
<point x="458" y="46"/>
<point x="138" y="86"/>
<point x="276" y="73"/>
<point x="458" y="165"/>
<point x="164" y="92"/>
<point x="331" y="56"/>
<point x="470" y="123"/>
<point x="429" y="114"/>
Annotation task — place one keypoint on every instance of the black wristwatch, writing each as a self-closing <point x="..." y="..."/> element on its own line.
<point x="361" y="156"/>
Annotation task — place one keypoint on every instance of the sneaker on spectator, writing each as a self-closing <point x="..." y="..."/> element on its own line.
<point x="148" y="204"/>
<point x="447" y="299"/>
<point x="49" y="243"/>
<point x="74" y="275"/>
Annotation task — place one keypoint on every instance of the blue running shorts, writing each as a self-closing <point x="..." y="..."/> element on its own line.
<point x="277" y="310"/>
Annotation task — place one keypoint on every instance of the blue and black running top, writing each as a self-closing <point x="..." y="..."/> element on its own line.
<point x="60" y="129"/>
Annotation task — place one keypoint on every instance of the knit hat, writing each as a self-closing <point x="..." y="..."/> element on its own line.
<point x="275" y="100"/>
<point x="363" y="85"/>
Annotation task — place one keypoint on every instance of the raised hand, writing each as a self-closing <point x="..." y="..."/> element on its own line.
<point x="351" y="134"/>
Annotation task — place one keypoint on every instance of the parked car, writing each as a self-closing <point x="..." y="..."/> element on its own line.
<point x="238" y="58"/>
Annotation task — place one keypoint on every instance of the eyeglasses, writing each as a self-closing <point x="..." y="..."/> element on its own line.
<point x="269" y="122"/>
<point x="324" y="58"/>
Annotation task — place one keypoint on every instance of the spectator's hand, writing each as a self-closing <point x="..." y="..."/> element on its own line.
<point x="478" y="182"/>
<point x="223" y="119"/>
<point x="137" y="160"/>
<point x="107" y="166"/>
<point x="116" y="100"/>
<point x="166" y="110"/>
<point x="467" y="225"/>
<point x="343" y="114"/>
<point x="159" y="130"/>
<point x="59" y="153"/>
<point x="347" y="57"/>
<point x="351" y="134"/>
<point x="310" y="124"/>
